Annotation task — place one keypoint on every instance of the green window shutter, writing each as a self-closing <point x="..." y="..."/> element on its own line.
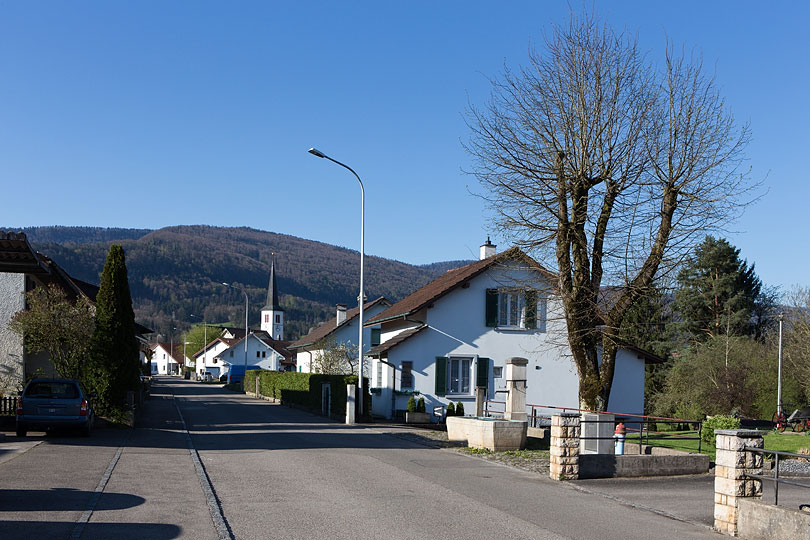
<point x="482" y="372"/>
<point x="531" y="309"/>
<point x="441" y="375"/>
<point x="491" y="310"/>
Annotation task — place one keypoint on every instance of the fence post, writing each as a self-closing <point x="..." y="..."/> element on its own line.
<point x="732" y="464"/>
<point x="564" y="447"/>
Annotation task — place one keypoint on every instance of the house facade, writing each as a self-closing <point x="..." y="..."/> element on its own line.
<point x="166" y="361"/>
<point x="263" y="352"/>
<point x="343" y="329"/>
<point x="457" y="332"/>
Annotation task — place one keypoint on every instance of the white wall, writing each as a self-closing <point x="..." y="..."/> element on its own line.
<point x="270" y="361"/>
<point x="12" y="300"/>
<point x="457" y="327"/>
<point x="627" y="393"/>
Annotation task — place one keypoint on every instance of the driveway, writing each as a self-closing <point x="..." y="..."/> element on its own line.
<point x="246" y="468"/>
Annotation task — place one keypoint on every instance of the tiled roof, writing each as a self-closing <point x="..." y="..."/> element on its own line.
<point x="17" y="256"/>
<point x="331" y="325"/>
<point x="450" y="280"/>
<point x="394" y="341"/>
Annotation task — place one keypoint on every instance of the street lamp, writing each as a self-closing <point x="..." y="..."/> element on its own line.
<point x="246" y="328"/>
<point x="361" y="299"/>
<point x="779" y="380"/>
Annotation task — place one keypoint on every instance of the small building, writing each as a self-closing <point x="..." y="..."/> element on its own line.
<point x="342" y="329"/>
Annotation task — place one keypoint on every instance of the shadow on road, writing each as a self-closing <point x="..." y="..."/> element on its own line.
<point x="28" y="530"/>
<point x="46" y="500"/>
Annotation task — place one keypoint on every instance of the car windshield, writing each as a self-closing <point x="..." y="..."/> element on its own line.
<point x="62" y="390"/>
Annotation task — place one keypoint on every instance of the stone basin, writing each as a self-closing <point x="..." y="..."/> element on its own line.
<point x="490" y="433"/>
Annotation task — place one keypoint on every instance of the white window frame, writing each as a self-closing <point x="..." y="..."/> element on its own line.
<point x="471" y="373"/>
<point x="509" y="296"/>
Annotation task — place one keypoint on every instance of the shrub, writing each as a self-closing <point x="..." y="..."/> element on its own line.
<point x="717" y="422"/>
<point x="459" y="409"/>
<point x="411" y="404"/>
<point x="420" y="405"/>
<point x="451" y="409"/>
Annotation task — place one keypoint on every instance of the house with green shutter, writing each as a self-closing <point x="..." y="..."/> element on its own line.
<point x="456" y="332"/>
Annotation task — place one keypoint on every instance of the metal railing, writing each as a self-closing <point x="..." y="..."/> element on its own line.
<point x="775" y="477"/>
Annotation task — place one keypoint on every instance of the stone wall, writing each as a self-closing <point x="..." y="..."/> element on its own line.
<point x="12" y="300"/>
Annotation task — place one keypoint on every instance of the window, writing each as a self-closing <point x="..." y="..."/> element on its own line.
<point x="375" y="336"/>
<point x="231" y="354"/>
<point x="407" y="375"/>
<point x="515" y="308"/>
<point x="266" y="317"/>
<point x="379" y="373"/>
<point x="278" y="319"/>
<point x="459" y="375"/>
<point x="258" y="354"/>
<point x="264" y="354"/>
<point x="497" y="372"/>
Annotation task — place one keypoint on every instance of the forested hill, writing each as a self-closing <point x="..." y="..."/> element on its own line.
<point x="180" y="269"/>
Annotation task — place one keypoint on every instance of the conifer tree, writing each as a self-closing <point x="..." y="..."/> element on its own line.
<point x="114" y="348"/>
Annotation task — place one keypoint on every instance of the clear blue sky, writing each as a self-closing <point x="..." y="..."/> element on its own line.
<point x="148" y="114"/>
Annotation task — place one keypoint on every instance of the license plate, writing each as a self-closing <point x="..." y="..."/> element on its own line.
<point x="51" y="411"/>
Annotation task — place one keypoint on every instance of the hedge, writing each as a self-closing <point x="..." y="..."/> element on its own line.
<point x="304" y="389"/>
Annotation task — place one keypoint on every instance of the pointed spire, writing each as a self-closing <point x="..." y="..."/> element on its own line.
<point x="272" y="293"/>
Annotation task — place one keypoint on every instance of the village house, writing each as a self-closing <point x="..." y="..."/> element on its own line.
<point x="342" y="329"/>
<point x="456" y="333"/>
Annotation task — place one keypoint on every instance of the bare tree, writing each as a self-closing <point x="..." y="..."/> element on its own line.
<point x="796" y="343"/>
<point x="592" y="158"/>
<point x="334" y="358"/>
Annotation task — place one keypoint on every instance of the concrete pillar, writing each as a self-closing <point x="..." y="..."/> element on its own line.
<point x="564" y="447"/>
<point x="351" y="393"/>
<point x="480" y="397"/>
<point x="731" y="465"/>
<point x="516" y="388"/>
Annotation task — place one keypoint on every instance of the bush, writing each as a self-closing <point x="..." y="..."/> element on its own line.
<point x="420" y="405"/>
<point x="412" y="404"/>
<point x="459" y="409"/>
<point x="717" y="422"/>
<point x="451" y="409"/>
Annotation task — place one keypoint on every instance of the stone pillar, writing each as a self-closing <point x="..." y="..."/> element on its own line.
<point x="480" y="397"/>
<point x="564" y="447"/>
<point x="516" y="388"/>
<point x="351" y="393"/>
<point x="731" y="465"/>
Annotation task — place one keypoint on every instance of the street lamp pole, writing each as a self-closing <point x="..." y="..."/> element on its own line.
<point x="205" y="344"/>
<point x="361" y="299"/>
<point x="246" y="329"/>
<point x="779" y="380"/>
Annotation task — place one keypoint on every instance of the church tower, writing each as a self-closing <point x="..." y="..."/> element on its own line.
<point x="272" y="314"/>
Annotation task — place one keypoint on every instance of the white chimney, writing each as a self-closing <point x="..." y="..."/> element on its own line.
<point x="487" y="250"/>
<point x="341" y="314"/>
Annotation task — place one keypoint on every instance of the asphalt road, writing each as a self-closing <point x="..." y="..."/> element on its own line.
<point x="276" y="472"/>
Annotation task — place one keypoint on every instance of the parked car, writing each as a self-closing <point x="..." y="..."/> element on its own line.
<point x="48" y="404"/>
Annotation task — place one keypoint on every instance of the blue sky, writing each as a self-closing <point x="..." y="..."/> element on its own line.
<point x="148" y="114"/>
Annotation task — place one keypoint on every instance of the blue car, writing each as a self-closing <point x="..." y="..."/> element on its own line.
<point x="48" y="404"/>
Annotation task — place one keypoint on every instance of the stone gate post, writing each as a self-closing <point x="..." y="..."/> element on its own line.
<point x="564" y="447"/>
<point x="732" y="463"/>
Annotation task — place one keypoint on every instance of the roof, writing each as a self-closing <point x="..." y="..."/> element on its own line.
<point x="176" y="354"/>
<point x="272" y="292"/>
<point x="649" y="358"/>
<point x="394" y="341"/>
<point x="227" y="341"/>
<point x="278" y="345"/>
<point x="17" y="256"/>
<point x="450" y="280"/>
<point x="325" y="329"/>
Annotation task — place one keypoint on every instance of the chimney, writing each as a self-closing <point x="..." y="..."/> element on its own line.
<point x="487" y="250"/>
<point x="341" y="314"/>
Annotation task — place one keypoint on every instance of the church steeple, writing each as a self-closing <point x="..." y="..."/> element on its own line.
<point x="272" y="313"/>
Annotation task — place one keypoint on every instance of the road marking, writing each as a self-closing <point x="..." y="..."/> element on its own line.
<point x="214" y="507"/>
<point x="85" y="517"/>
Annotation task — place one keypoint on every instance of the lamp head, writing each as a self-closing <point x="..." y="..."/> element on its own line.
<point x="226" y="284"/>
<point x="316" y="152"/>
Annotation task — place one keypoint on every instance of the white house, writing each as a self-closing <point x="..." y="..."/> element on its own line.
<point x="165" y="361"/>
<point x="263" y="352"/>
<point x="342" y="329"/>
<point x="456" y="333"/>
<point x="207" y="358"/>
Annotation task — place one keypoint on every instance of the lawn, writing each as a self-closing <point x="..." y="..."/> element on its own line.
<point x="774" y="440"/>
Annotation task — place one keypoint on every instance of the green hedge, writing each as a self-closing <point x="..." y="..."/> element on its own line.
<point x="304" y="389"/>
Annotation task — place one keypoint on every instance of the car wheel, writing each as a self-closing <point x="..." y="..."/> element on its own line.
<point x="21" y="432"/>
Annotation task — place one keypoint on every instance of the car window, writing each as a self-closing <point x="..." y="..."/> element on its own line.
<point x="61" y="390"/>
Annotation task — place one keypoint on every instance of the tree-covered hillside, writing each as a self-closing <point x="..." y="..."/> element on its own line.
<point x="179" y="270"/>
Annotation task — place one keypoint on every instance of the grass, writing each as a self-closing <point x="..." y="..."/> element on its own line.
<point x="774" y="440"/>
